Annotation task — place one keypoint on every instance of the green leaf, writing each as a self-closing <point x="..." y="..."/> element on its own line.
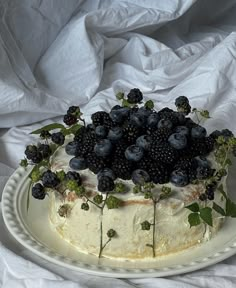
<point x="206" y="215"/>
<point x="228" y="161"/>
<point x="125" y="103"/>
<point x="230" y="208"/>
<point x="194" y="219"/>
<point x="193" y="207"/>
<point x="72" y="130"/>
<point x="218" y="209"/>
<point x="48" y="128"/>
<point x="149" y="104"/>
<point x="221" y="189"/>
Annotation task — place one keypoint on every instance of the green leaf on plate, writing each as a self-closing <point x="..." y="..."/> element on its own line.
<point x="221" y="189"/>
<point x="194" y="219"/>
<point x="206" y="215"/>
<point x="230" y="208"/>
<point x="218" y="209"/>
<point x="193" y="207"/>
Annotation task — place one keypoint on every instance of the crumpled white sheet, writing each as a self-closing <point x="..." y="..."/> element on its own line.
<point x="58" y="53"/>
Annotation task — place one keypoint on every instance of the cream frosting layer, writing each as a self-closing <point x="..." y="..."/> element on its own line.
<point x="172" y="231"/>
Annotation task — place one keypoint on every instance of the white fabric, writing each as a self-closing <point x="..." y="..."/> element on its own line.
<point x="56" y="53"/>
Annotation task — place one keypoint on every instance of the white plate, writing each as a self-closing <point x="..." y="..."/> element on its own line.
<point x="33" y="231"/>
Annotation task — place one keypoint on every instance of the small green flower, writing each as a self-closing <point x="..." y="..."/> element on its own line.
<point x="148" y="195"/>
<point x="72" y="185"/>
<point x="165" y="192"/>
<point x="24" y="163"/>
<point x="80" y="190"/>
<point x="205" y="114"/>
<point x="120" y="95"/>
<point x="113" y="202"/>
<point x="119" y="187"/>
<point x="111" y="233"/>
<point x="98" y="199"/>
<point x="137" y="188"/>
<point x="148" y="185"/>
<point x="149" y="104"/>
<point x="85" y="206"/>
<point x="61" y="175"/>
<point x="35" y="176"/>
<point x="146" y="225"/>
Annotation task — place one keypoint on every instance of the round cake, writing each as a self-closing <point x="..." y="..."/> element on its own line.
<point x="135" y="183"/>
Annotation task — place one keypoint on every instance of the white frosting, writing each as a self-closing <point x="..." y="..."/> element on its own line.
<point x="82" y="228"/>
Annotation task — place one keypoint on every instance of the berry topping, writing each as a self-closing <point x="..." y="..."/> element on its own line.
<point x="38" y="191"/>
<point x="106" y="172"/>
<point x="70" y="119"/>
<point x="198" y="132"/>
<point x="50" y="179"/>
<point x="72" y="175"/>
<point x="105" y="184"/>
<point x="140" y="176"/>
<point x="144" y="142"/>
<point x="179" y="178"/>
<point x="165" y="123"/>
<point x="103" y="148"/>
<point x="178" y="141"/>
<point x="78" y="163"/>
<point x="135" y="96"/>
<point x="134" y="153"/>
<point x="58" y="138"/>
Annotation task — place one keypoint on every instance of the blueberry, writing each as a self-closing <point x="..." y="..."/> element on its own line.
<point x="119" y="115"/>
<point x="71" y="148"/>
<point x="134" y="153"/>
<point x="144" y="112"/>
<point x="153" y="119"/>
<point x="106" y="172"/>
<point x="182" y="130"/>
<point x="202" y="161"/>
<point x="177" y="140"/>
<point x="198" y="132"/>
<point x="101" y="131"/>
<point x="78" y="163"/>
<point x="140" y="176"/>
<point x="115" y="133"/>
<point x="137" y="119"/>
<point x="179" y="178"/>
<point x="103" y="148"/>
<point x="90" y="127"/>
<point x="181" y="118"/>
<point x="165" y="123"/>
<point x="144" y="142"/>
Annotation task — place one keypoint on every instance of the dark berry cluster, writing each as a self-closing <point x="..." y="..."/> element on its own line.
<point x="142" y="144"/>
<point x="37" y="153"/>
<point x="72" y="115"/>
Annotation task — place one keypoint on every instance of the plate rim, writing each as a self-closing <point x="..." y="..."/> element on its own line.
<point x="18" y="230"/>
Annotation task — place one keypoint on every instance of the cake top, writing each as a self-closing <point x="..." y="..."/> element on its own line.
<point x="135" y="142"/>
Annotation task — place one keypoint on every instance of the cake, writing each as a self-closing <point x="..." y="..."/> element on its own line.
<point x="135" y="183"/>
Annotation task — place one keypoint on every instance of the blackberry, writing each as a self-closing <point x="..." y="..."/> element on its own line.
<point x="122" y="168"/>
<point x="182" y="105"/>
<point x="161" y="135"/>
<point x="79" y="135"/>
<point x="164" y="153"/>
<point x="167" y="113"/>
<point x="45" y="150"/>
<point x="144" y="163"/>
<point x="95" y="163"/>
<point x="31" y="151"/>
<point x="203" y="197"/>
<point x="131" y="133"/>
<point x="120" y="147"/>
<point x="38" y="191"/>
<point x="50" y="179"/>
<point x="100" y="118"/>
<point x="73" y="110"/>
<point x="209" y="143"/>
<point x="45" y="134"/>
<point x="209" y="192"/>
<point x="192" y="174"/>
<point x="135" y="96"/>
<point x="201" y="147"/>
<point x="70" y="119"/>
<point x="204" y="172"/>
<point x="105" y="184"/>
<point x="72" y="175"/>
<point x="158" y="174"/>
<point x="37" y="158"/>
<point x="189" y="123"/>
<point x="89" y="141"/>
<point x="185" y="164"/>
<point x="58" y="138"/>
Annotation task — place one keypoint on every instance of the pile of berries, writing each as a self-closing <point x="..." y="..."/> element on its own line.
<point x="142" y="144"/>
